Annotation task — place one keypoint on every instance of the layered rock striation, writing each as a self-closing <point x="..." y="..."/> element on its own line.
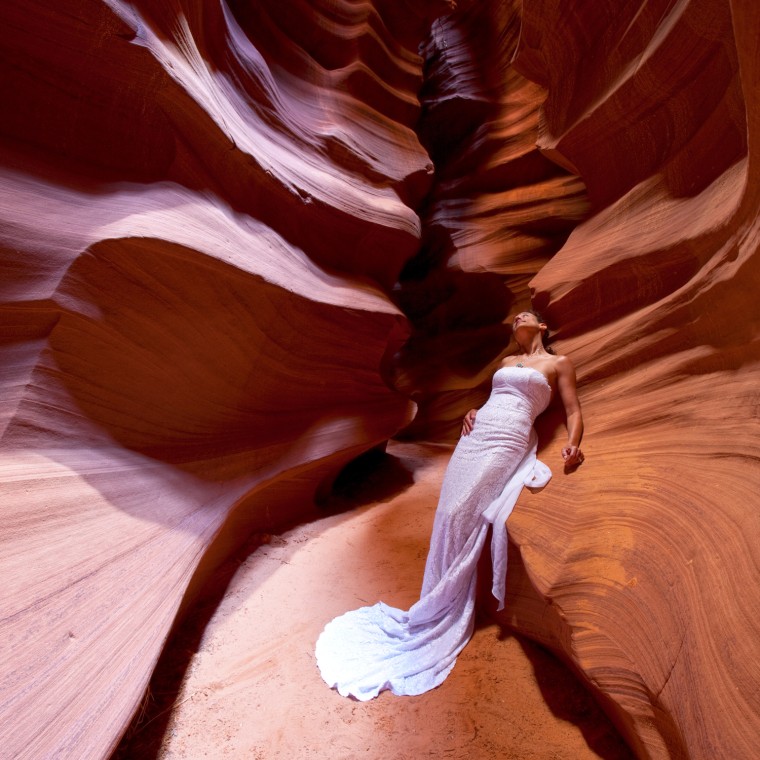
<point x="640" y="568"/>
<point x="203" y="211"/>
<point x="238" y="240"/>
<point x="498" y="211"/>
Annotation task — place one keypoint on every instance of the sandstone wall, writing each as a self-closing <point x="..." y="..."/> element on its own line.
<point x="204" y="206"/>
<point x="214" y="219"/>
<point x="645" y="561"/>
<point x="641" y="246"/>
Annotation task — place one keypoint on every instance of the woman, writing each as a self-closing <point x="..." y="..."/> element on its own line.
<point x="374" y="648"/>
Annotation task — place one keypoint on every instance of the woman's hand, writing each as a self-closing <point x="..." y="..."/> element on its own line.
<point x="573" y="457"/>
<point x="469" y="421"/>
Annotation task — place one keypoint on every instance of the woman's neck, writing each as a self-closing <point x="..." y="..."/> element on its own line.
<point x="535" y="346"/>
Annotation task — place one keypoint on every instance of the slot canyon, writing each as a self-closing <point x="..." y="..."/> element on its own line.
<point x="259" y="257"/>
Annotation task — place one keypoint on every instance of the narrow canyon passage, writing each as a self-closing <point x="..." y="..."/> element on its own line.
<point x="253" y="690"/>
<point x="242" y="243"/>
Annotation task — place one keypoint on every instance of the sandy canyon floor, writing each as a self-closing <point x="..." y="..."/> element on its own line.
<point x="239" y="679"/>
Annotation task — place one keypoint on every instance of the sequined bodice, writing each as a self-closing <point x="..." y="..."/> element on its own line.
<point x="526" y="388"/>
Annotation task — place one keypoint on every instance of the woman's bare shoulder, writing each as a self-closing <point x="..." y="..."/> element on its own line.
<point x="563" y="364"/>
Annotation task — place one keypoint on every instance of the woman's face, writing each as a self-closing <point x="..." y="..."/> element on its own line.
<point x="524" y="318"/>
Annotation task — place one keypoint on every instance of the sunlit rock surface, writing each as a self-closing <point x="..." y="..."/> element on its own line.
<point x="202" y="214"/>
<point x="648" y="556"/>
<point x="215" y="220"/>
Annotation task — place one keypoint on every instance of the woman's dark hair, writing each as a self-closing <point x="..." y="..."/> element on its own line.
<point x="545" y="334"/>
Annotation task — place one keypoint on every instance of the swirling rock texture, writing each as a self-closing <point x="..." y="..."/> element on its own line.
<point x="497" y="213"/>
<point x="210" y="236"/>
<point x="635" y="568"/>
<point x="202" y="213"/>
<point x="643" y="567"/>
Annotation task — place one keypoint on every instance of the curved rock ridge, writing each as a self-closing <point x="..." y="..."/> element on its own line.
<point x="218" y="226"/>
<point x="497" y="212"/>
<point x="640" y="569"/>
<point x="202" y="213"/>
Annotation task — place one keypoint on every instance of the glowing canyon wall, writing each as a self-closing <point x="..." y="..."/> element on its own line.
<point x="239" y="241"/>
<point x="204" y="207"/>
<point x="647" y="557"/>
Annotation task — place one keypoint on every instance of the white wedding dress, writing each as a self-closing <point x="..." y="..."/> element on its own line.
<point x="365" y="651"/>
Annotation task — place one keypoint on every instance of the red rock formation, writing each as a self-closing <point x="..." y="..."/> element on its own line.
<point x="634" y="568"/>
<point x="205" y="208"/>
<point x="497" y="213"/>
<point x="646" y="557"/>
<point x="201" y="213"/>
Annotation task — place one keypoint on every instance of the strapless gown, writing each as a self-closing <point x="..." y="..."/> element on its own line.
<point x="368" y="650"/>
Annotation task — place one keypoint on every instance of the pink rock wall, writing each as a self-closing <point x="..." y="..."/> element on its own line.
<point x="202" y="213"/>
<point x="214" y="218"/>
<point x="641" y="568"/>
<point x="638" y="569"/>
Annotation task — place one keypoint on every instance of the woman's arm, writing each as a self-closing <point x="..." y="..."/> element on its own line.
<point x="571" y="453"/>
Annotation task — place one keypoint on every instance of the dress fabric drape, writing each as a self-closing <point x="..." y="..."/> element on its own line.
<point x="368" y="650"/>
